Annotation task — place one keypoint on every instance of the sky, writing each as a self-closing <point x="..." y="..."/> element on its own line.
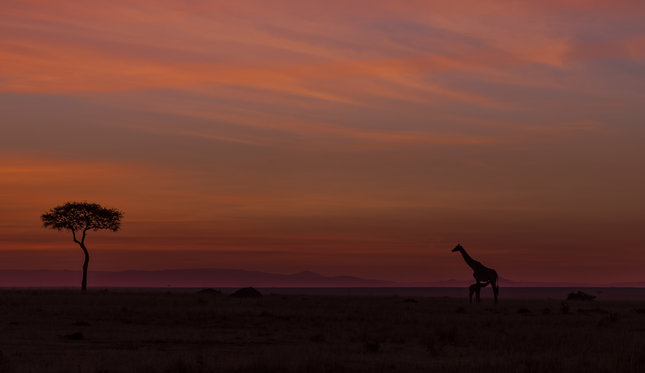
<point x="361" y="138"/>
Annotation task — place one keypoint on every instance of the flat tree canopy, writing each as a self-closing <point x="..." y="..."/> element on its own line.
<point x="82" y="216"/>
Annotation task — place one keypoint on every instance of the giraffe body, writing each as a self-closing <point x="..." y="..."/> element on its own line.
<point x="482" y="274"/>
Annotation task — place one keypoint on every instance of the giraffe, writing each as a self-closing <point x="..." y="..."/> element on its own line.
<point x="483" y="275"/>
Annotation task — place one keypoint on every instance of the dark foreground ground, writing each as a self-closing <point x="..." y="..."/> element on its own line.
<point x="65" y="331"/>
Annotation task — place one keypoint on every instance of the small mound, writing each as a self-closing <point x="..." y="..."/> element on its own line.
<point x="246" y="293"/>
<point x="74" y="336"/>
<point x="580" y="296"/>
<point x="210" y="291"/>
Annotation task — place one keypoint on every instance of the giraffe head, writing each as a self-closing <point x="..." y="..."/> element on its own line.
<point x="457" y="248"/>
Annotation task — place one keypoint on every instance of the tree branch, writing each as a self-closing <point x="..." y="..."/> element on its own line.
<point x="83" y="238"/>
<point x="74" y="235"/>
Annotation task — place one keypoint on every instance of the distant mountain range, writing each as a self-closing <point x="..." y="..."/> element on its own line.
<point x="223" y="278"/>
<point x="206" y="277"/>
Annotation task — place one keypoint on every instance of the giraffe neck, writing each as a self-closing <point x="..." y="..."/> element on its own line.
<point x="470" y="261"/>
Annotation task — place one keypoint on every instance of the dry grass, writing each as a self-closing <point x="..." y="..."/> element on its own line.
<point x="65" y="331"/>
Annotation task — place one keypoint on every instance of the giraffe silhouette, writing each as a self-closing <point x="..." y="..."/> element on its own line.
<point x="483" y="275"/>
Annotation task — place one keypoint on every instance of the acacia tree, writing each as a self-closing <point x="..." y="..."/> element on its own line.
<point x="80" y="217"/>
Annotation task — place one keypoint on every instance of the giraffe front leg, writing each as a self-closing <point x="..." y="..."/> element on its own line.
<point x="471" y="291"/>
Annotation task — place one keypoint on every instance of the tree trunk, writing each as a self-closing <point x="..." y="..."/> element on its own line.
<point x="85" y="264"/>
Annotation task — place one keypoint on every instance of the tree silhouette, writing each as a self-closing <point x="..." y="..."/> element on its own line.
<point x="80" y="217"/>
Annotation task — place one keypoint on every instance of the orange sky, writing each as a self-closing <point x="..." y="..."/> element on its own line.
<point x="344" y="137"/>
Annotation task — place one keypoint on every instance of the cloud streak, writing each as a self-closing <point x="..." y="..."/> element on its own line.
<point x="318" y="129"/>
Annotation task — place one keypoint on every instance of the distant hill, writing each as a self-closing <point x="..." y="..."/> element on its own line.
<point x="504" y="282"/>
<point x="207" y="277"/>
<point x="212" y="277"/>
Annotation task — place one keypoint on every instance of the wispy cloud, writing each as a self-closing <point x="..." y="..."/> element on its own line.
<point x="272" y="125"/>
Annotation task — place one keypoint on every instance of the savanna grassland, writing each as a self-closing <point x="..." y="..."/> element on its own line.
<point x="66" y="331"/>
